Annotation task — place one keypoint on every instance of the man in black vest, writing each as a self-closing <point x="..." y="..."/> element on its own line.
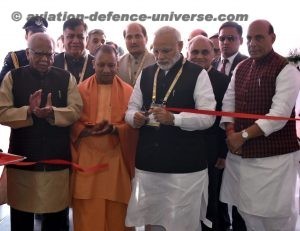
<point x="201" y="52"/>
<point x="39" y="102"/>
<point x="75" y="59"/>
<point x="261" y="167"/>
<point x="16" y="59"/>
<point x="171" y="180"/>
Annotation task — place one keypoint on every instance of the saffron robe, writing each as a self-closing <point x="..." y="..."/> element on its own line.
<point x="117" y="151"/>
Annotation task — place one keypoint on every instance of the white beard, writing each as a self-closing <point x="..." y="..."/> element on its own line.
<point x="167" y="67"/>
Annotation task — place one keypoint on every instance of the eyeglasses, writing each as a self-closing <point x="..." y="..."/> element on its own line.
<point x="230" y="38"/>
<point x="41" y="54"/>
<point x="203" y="52"/>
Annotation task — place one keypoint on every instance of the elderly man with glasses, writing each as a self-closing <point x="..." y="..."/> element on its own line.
<point x="40" y="103"/>
<point x="201" y="52"/>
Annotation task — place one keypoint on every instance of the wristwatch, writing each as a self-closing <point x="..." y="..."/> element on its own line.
<point x="245" y="135"/>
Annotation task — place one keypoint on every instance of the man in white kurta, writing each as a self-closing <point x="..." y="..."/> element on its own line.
<point x="171" y="179"/>
<point x="260" y="172"/>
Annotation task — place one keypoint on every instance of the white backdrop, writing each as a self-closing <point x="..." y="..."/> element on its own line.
<point x="284" y="17"/>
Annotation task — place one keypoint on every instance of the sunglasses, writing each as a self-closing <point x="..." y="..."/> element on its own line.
<point x="230" y="38"/>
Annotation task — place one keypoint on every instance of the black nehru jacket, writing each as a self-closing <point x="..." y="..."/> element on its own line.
<point x="170" y="149"/>
<point x="41" y="141"/>
<point x="215" y="136"/>
<point x="75" y="66"/>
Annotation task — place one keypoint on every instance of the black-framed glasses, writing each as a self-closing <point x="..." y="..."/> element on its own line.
<point x="41" y="54"/>
<point x="229" y="38"/>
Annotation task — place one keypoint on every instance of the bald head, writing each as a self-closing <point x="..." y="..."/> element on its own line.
<point x="200" y="38"/>
<point x="105" y="64"/>
<point x="196" y="32"/>
<point x="201" y="51"/>
<point x="262" y="23"/>
<point x="40" y="52"/>
<point x="39" y="37"/>
<point x="260" y="38"/>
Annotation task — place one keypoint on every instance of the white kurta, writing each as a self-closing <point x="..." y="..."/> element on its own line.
<point x="264" y="186"/>
<point x="173" y="201"/>
<point x="204" y="99"/>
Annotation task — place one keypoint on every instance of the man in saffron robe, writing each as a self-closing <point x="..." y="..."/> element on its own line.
<point x="101" y="136"/>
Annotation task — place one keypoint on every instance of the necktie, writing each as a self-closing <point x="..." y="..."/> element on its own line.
<point x="223" y="68"/>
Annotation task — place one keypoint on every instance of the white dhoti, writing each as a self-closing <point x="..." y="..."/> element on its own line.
<point x="261" y="187"/>
<point x="175" y="201"/>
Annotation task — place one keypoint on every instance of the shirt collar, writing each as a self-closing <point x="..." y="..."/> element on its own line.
<point x="231" y="58"/>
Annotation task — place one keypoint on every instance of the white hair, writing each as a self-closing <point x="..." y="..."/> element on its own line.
<point x="169" y="29"/>
<point x="40" y="36"/>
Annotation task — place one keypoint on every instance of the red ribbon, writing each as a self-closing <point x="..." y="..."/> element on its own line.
<point x="99" y="167"/>
<point x="75" y="166"/>
<point x="230" y="114"/>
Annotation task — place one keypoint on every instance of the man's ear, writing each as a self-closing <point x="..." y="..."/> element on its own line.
<point x="93" y="62"/>
<point x="27" y="53"/>
<point x="241" y="40"/>
<point x="273" y="37"/>
<point x="180" y="45"/>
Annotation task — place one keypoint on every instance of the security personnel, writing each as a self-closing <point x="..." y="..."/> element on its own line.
<point x="16" y="59"/>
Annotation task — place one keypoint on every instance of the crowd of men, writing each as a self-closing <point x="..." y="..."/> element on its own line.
<point x="167" y="166"/>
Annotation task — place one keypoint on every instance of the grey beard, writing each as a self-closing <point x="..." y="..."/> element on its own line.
<point x="170" y="65"/>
